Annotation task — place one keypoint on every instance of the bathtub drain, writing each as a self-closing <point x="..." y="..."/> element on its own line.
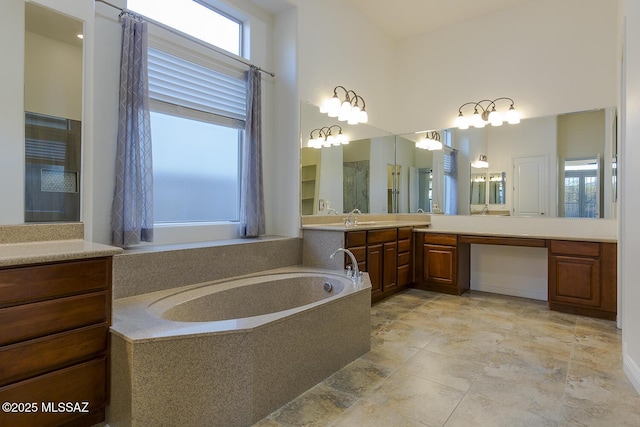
<point x="328" y="286"/>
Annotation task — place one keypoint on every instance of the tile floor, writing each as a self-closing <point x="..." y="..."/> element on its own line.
<point x="475" y="360"/>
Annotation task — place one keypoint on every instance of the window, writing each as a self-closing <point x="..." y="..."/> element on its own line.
<point x="196" y="125"/>
<point x="195" y="18"/>
<point x="581" y="188"/>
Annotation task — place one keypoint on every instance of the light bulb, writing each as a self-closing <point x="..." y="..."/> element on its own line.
<point x="476" y="120"/>
<point x="364" y="117"/>
<point x="495" y="118"/>
<point x="513" y="118"/>
<point x="334" y="107"/>
<point x="354" y="116"/>
<point x="462" y="122"/>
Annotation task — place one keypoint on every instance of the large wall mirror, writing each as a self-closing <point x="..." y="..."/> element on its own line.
<point x="53" y="80"/>
<point x="554" y="166"/>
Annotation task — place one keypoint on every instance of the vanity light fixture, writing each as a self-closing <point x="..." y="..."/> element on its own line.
<point x="481" y="162"/>
<point x="325" y="137"/>
<point x="347" y="109"/>
<point x="485" y="112"/>
<point x="431" y="141"/>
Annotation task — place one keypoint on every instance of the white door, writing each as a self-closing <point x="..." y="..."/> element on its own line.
<point x="530" y="186"/>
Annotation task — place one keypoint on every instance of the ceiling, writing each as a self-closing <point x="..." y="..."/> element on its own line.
<point x="49" y="23"/>
<point x="401" y="19"/>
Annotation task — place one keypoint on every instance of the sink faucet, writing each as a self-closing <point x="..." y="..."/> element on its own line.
<point x="485" y="210"/>
<point x="420" y="210"/>
<point x="356" y="274"/>
<point x="332" y="211"/>
<point x="352" y="219"/>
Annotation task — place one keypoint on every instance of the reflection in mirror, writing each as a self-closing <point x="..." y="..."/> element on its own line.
<point x="497" y="182"/>
<point x="555" y="165"/>
<point x="53" y="114"/>
<point x="338" y="179"/>
<point x="478" y="186"/>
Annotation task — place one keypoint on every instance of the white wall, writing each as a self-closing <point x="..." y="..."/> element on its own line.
<point x="629" y="243"/>
<point x="549" y="56"/>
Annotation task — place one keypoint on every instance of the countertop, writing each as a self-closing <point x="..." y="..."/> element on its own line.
<point x="15" y="254"/>
<point x="518" y="235"/>
<point x="366" y="225"/>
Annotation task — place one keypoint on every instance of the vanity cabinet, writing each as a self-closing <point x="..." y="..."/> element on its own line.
<point x="442" y="263"/>
<point x="583" y="278"/>
<point x="385" y="254"/>
<point x="54" y="341"/>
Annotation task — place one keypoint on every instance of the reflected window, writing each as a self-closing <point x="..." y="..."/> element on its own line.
<point x="581" y="188"/>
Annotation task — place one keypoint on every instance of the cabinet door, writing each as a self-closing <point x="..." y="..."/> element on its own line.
<point x="390" y="266"/>
<point x="574" y="280"/>
<point x="374" y="267"/>
<point x="439" y="264"/>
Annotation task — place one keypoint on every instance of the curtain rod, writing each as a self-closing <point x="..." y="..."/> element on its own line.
<point x="178" y="33"/>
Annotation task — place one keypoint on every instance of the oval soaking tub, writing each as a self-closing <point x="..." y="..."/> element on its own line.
<point x="232" y="351"/>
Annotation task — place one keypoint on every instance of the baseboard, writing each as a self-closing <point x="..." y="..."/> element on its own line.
<point x="523" y="293"/>
<point x="632" y="370"/>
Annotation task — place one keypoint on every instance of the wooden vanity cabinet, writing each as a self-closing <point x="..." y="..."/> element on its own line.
<point x="54" y="341"/>
<point x="583" y="278"/>
<point x="386" y="255"/>
<point x="442" y="263"/>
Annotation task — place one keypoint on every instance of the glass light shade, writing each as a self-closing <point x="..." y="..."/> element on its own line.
<point x="311" y="143"/>
<point x="434" y="145"/>
<point x="342" y="138"/>
<point x="513" y="118"/>
<point x="345" y="108"/>
<point x="354" y="116"/>
<point x="333" y="108"/>
<point x="481" y="162"/>
<point x="364" y="117"/>
<point x="319" y="142"/>
<point x="476" y="120"/>
<point x="326" y="143"/>
<point x="331" y="140"/>
<point x="495" y="118"/>
<point x="462" y="122"/>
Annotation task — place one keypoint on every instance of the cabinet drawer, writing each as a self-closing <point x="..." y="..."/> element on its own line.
<point x="404" y="258"/>
<point x="441" y="239"/>
<point x="405" y="232"/>
<point x="382" y="236"/>
<point x="41" y="318"/>
<point x="404" y="246"/>
<point x="29" y="358"/>
<point x="360" y="254"/>
<point x="355" y="238"/>
<point x="85" y="382"/>
<point x="34" y="283"/>
<point x="566" y="247"/>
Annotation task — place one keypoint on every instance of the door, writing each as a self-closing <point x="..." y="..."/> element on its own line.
<point x="530" y="186"/>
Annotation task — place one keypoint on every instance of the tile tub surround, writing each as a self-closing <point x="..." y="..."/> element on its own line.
<point x="150" y="269"/>
<point x="475" y="360"/>
<point x="230" y="372"/>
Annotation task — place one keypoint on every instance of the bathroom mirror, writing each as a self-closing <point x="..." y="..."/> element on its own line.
<point x="340" y="178"/>
<point x="478" y="186"/>
<point x="497" y="188"/>
<point x="53" y="80"/>
<point x="538" y="146"/>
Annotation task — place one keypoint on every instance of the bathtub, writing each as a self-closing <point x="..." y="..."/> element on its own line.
<point x="230" y="352"/>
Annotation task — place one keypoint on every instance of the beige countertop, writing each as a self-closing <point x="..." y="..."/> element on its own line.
<point x="365" y="225"/>
<point x="15" y="254"/>
<point x="518" y="235"/>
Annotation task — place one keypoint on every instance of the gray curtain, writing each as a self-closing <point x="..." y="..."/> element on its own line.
<point x="131" y="213"/>
<point x="252" y="195"/>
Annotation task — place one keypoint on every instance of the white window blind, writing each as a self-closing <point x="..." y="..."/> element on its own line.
<point x="181" y="83"/>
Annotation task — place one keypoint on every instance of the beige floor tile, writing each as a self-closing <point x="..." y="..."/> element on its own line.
<point x="358" y="377"/>
<point x="415" y="398"/>
<point x="367" y="414"/>
<point x="474" y="360"/>
<point x="454" y="371"/>
<point x="318" y="407"/>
